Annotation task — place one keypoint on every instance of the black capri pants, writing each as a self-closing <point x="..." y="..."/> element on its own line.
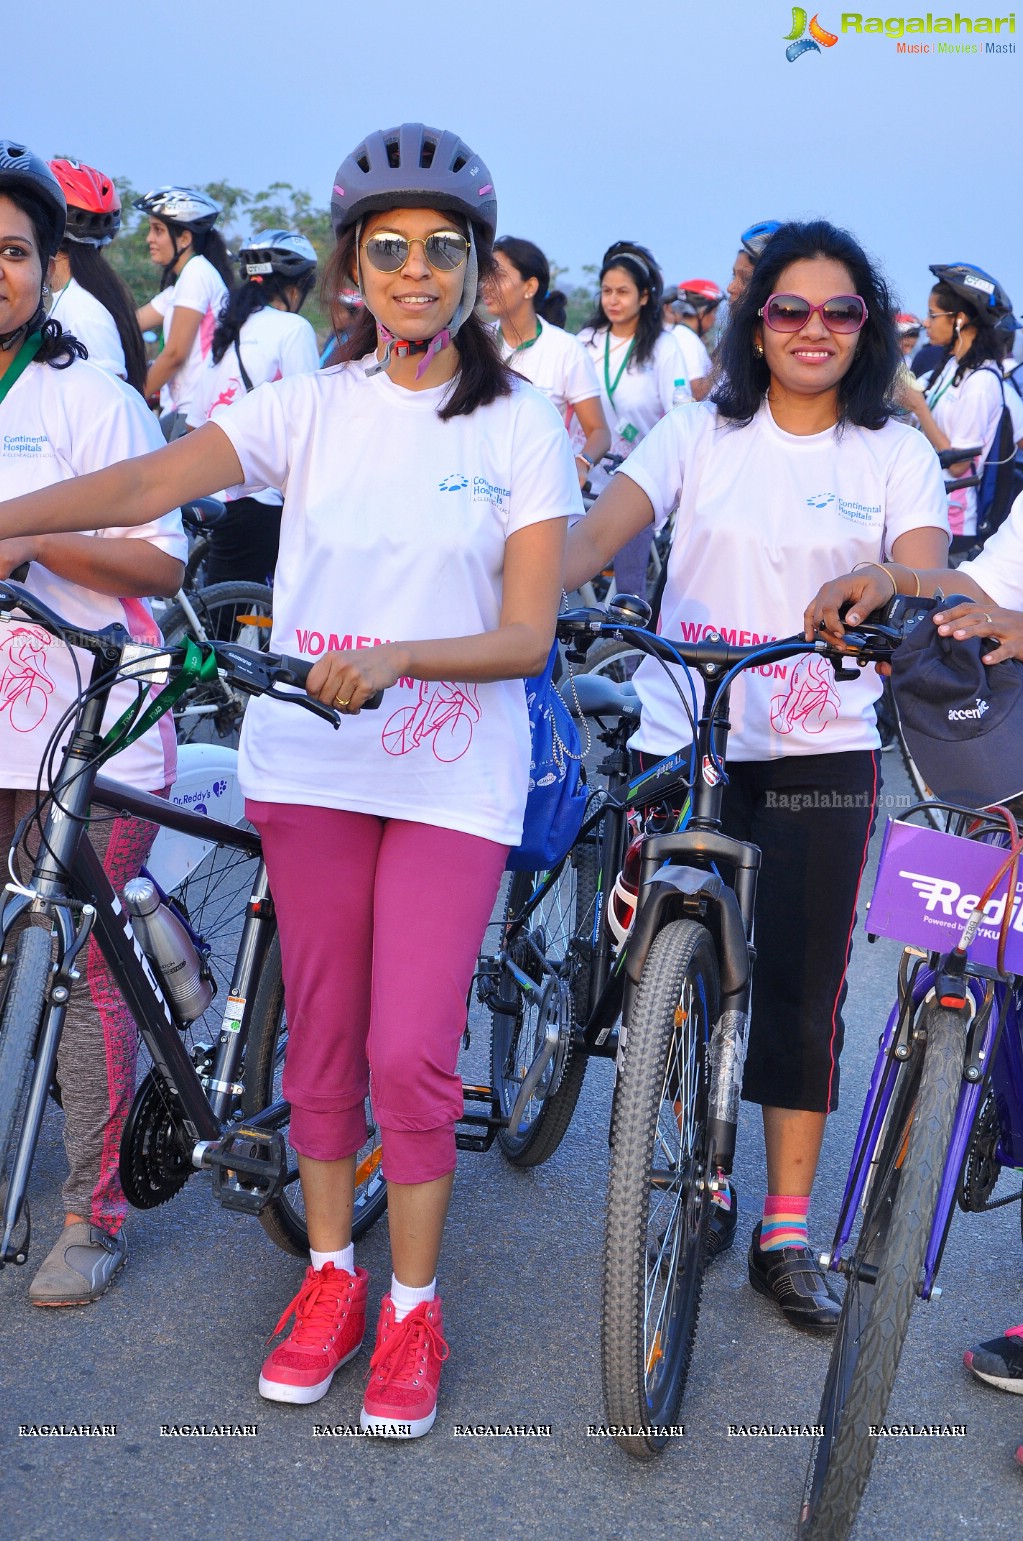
<point x="812" y="817"/>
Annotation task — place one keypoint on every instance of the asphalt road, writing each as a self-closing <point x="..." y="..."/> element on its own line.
<point x="180" y="1338"/>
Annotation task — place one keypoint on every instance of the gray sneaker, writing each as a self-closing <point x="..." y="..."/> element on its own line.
<point x="80" y="1267"/>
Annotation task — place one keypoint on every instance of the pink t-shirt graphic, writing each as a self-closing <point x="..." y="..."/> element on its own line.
<point x="812" y="699"/>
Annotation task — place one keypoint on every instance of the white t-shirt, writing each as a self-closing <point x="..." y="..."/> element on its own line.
<point x="641" y="396"/>
<point x="694" y="352"/>
<point x="556" y="364"/>
<point x="394" y="528"/>
<point x="199" y="287"/>
<point x="999" y="567"/>
<point x="80" y="313"/>
<point x="273" y="344"/>
<point x="56" y="424"/>
<point x="764" y="519"/>
<point x="969" y="413"/>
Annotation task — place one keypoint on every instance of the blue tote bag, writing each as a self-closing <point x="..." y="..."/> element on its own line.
<point x="556" y="801"/>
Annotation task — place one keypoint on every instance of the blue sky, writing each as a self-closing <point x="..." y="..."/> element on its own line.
<point x="675" y="123"/>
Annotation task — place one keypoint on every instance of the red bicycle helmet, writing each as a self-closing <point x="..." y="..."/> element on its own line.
<point x="701" y="293"/>
<point x="93" y="207"/>
<point x="906" y="324"/>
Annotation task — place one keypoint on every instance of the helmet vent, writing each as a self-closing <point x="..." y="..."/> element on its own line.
<point x="394" y="155"/>
<point x="17" y="150"/>
<point x="459" y="162"/>
<point x="362" y="161"/>
<point x="427" y="153"/>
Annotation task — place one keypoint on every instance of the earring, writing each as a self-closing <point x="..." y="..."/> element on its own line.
<point x="758" y="349"/>
<point x="46" y="291"/>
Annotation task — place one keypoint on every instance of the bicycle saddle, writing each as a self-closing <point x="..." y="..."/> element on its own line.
<point x="598" y="696"/>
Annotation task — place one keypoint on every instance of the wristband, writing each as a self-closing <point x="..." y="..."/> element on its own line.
<point x="587" y="462"/>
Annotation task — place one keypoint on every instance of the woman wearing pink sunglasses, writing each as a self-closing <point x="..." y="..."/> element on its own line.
<point x="794" y="463"/>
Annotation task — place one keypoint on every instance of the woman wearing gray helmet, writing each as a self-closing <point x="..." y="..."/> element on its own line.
<point x="197" y="278"/>
<point x="427" y="493"/>
<point x="260" y="336"/>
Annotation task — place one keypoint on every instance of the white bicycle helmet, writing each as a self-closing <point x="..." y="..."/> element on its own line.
<point x="183" y="206"/>
<point x="284" y="252"/>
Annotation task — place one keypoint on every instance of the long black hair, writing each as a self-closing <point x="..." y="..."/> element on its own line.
<point x="208" y="244"/>
<point x="865" y="390"/>
<point x="58" y="348"/>
<point x="642" y="268"/>
<point x="91" y="269"/>
<point x="985" y="347"/>
<point x="254" y="294"/>
<point x="482" y="376"/>
<point x="529" y="262"/>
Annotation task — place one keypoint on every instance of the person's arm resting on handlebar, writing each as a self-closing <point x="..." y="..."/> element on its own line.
<point x="918" y="554"/>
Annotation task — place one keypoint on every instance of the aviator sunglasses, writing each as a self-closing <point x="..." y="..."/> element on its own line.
<point x="790" y="312"/>
<point x="388" y="251"/>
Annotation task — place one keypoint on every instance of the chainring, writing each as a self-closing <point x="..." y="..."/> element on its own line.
<point x="153" y="1165"/>
<point x="981" y="1167"/>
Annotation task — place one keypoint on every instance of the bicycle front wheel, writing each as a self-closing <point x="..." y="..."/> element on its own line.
<point x="284" y="1220"/>
<point x="211" y="711"/>
<point x="559" y="933"/>
<point x="21" y="1016"/>
<point x="657" y="1203"/>
<point x="890" y="1252"/>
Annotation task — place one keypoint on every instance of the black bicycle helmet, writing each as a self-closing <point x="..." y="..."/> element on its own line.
<point x="976" y="287"/>
<point x="413" y="167"/>
<point x="22" y="171"/>
<point x="183" y="206"/>
<point x="284" y="252"/>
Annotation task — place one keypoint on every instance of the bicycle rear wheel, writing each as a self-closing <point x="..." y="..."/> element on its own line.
<point x="211" y="711"/>
<point x="617" y="661"/>
<point x="21" y="1016"/>
<point x="284" y="1220"/>
<point x="898" y="1218"/>
<point x="560" y="930"/>
<point x="657" y="1205"/>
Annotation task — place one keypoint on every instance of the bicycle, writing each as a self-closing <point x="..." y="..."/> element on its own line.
<point x="942" y="1117"/>
<point x="236" y="611"/>
<point x="212" y="1106"/>
<point x="680" y="982"/>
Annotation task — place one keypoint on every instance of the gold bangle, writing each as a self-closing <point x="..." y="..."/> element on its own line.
<point x="887" y="573"/>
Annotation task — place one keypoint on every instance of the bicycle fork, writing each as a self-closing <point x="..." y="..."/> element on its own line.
<point x="70" y="943"/>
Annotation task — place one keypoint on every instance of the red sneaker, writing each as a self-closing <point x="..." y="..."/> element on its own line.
<point x="330" y="1323"/>
<point x="404" y="1372"/>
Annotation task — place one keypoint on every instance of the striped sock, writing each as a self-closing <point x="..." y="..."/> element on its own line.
<point x="784" y="1223"/>
<point x="722" y="1197"/>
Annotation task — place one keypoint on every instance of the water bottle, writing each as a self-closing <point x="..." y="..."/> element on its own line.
<point x="169" y="948"/>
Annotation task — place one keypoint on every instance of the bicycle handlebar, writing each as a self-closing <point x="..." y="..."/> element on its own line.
<point x="873" y="640"/>
<point x="248" y="670"/>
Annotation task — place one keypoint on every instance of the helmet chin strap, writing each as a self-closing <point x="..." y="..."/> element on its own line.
<point x="34" y="322"/>
<point x="429" y="347"/>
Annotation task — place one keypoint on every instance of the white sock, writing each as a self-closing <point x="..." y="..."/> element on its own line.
<point x="344" y="1258"/>
<point x="406" y="1298"/>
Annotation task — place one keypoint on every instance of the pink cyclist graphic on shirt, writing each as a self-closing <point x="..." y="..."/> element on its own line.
<point x="811" y="702"/>
<point x="443" y="719"/>
<point x="25" y="683"/>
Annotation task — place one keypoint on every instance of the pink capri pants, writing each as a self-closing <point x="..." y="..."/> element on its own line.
<point x="381" y="922"/>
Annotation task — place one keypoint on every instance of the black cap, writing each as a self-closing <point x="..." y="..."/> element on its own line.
<point x="962" y="721"/>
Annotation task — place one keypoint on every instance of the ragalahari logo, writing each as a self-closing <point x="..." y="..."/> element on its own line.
<point x="799" y="44"/>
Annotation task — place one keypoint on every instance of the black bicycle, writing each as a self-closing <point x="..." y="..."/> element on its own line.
<point x="680" y="982"/>
<point x="210" y="1099"/>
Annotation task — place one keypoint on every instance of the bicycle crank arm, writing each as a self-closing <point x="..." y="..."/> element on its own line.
<point x="533" y="1076"/>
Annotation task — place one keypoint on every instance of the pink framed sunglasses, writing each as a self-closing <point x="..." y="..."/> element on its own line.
<point x="843" y="313"/>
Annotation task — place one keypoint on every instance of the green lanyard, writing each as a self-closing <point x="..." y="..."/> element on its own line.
<point x="936" y="386"/>
<point x="24" y="356"/>
<point x="522" y="346"/>
<point x="607" y="365"/>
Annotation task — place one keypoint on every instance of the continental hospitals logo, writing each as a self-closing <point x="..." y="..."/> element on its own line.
<point x="798" y="41"/>
<point x="927" y="34"/>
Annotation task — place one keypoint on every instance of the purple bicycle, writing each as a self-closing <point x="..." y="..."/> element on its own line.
<point x="943" y="1116"/>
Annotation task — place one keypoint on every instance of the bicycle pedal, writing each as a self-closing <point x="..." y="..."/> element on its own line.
<point x="250" y="1168"/>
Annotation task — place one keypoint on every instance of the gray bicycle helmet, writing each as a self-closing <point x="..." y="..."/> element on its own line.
<point x="21" y="171"/>
<point x="976" y="287"/>
<point x="284" y="252"/>
<point x="184" y="206"/>
<point x="413" y="167"/>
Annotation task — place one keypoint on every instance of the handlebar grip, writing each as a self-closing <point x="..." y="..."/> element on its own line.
<point x="295" y="671"/>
